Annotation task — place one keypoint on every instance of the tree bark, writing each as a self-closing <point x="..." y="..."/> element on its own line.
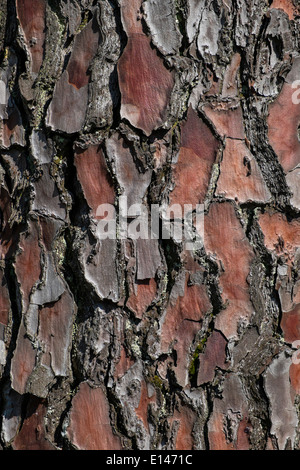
<point x="149" y="343"/>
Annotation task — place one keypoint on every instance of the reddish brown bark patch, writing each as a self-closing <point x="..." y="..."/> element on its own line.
<point x="217" y="434"/>
<point x="124" y="363"/>
<point x="186" y="419"/>
<point x="240" y="177"/>
<point x="49" y="228"/>
<point x="28" y="262"/>
<point x="225" y="238"/>
<point x="90" y="427"/>
<point x="190" y="263"/>
<point x="32" y="435"/>
<point x="145" y="85"/>
<point x="133" y="183"/>
<point x="243" y="435"/>
<point x="8" y="236"/>
<point x="228" y="122"/>
<point x="290" y="325"/>
<point x="283" y="122"/>
<point x="197" y="154"/>
<point x="181" y="323"/>
<point x="217" y="438"/>
<point x="295" y="378"/>
<point x="84" y="50"/>
<point x="23" y="362"/>
<point x="213" y="356"/>
<point x="142" y="409"/>
<point x="190" y="307"/>
<point x="55" y="326"/>
<point x="13" y="131"/>
<point x="131" y="17"/>
<point x="31" y="14"/>
<point x="94" y="177"/>
<point x="4" y="300"/>
<point x="70" y="98"/>
<point x="230" y="87"/>
<point x="281" y="236"/>
<point x="229" y="427"/>
<point x="141" y="297"/>
<point x="68" y="106"/>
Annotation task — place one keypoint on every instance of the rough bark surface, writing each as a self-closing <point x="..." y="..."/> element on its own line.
<point x="141" y="344"/>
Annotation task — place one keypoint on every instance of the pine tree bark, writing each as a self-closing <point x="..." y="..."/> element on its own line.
<point x="124" y="343"/>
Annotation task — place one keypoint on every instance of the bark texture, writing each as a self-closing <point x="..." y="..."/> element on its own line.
<point x="141" y="344"/>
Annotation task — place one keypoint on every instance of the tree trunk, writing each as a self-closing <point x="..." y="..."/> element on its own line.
<point x="135" y="338"/>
